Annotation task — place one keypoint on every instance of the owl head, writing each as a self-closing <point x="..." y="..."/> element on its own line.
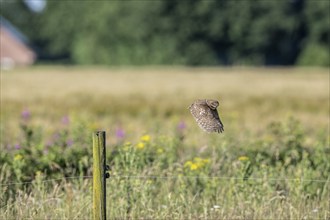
<point x="213" y="104"/>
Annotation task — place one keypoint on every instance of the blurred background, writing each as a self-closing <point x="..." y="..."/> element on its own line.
<point x="132" y="68"/>
<point x="174" y="32"/>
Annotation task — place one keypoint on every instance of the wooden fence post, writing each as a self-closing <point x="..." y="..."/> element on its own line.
<point x="99" y="176"/>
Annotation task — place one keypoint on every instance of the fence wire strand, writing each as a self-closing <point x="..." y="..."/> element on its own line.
<point x="221" y="177"/>
<point x="47" y="180"/>
<point x="171" y="177"/>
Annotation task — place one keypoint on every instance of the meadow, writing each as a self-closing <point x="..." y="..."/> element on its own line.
<point x="271" y="162"/>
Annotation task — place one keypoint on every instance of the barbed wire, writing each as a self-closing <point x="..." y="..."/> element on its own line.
<point x="172" y="177"/>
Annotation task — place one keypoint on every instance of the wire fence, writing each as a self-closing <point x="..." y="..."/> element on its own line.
<point x="172" y="177"/>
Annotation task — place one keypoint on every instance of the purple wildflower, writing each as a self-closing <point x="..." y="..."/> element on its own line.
<point x="120" y="133"/>
<point x="181" y="126"/>
<point x="69" y="142"/>
<point x="17" y="146"/>
<point x="25" y="114"/>
<point x="180" y="129"/>
<point x="65" y="120"/>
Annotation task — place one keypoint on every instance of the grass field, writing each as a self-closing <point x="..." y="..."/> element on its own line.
<point x="272" y="161"/>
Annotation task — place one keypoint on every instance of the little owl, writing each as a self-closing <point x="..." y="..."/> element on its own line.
<point x="206" y="115"/>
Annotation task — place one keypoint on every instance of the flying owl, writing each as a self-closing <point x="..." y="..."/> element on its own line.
<point x="206" y="115"/>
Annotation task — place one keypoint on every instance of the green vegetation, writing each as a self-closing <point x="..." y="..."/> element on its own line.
<point x="272" y="161"/>
<point x="178" y="32"/>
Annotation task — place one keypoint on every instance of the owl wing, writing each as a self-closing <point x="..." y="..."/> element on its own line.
<point x="198" y="110"/>
<point x="218" y="126"/>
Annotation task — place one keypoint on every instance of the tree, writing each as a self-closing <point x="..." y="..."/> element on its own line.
<point x="190" y="32"/>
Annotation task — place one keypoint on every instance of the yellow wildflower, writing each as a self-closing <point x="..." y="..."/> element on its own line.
<point x="18" y="157"/>
<point x="243" y="158"/>
<point x="194" y="166"/>
<point x="200" y="162"/>
<point x="205" y="161"/>
<point x="196" y="163"/>
<point x="160" y="150"/>
<point x="140" y="145"/>
<point x="145" y="138"/>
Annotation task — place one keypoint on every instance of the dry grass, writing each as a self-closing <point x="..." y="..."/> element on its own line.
<point x="253" y="96"/>
<point x="45" y="82"/>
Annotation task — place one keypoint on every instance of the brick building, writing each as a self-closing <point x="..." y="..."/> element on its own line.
<point x="14" y="47"/>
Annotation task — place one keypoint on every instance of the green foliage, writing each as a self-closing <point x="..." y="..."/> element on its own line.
<point x="315" y="55"/>
<point x="277" y="166"/>
<point x="315" y="48"/>
<point x="179" y="32"/>
<point x="62" y="154"/>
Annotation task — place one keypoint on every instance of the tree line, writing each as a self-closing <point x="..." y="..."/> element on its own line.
<point x="177" y="32"/>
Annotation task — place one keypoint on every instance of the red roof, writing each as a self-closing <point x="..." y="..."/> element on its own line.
<point x="13" y="51"/>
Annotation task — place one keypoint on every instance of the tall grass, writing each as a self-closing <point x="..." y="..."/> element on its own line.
<point x="272" y="162"/>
